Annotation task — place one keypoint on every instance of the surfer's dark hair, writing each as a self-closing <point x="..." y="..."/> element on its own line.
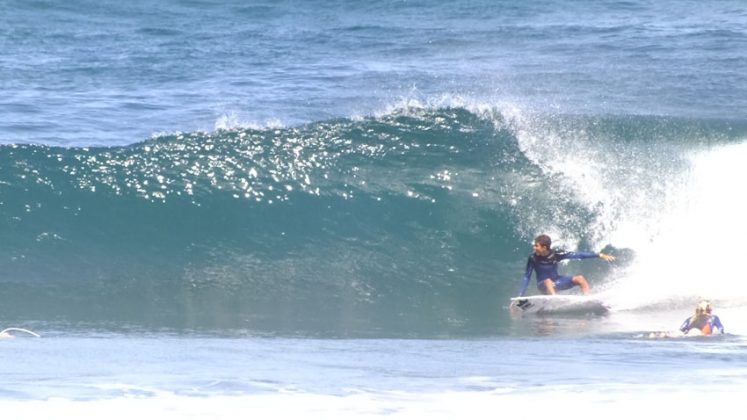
<point x="543" y="240"/>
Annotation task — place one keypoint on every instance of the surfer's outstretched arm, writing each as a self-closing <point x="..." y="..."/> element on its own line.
<point x="581" y="255"/>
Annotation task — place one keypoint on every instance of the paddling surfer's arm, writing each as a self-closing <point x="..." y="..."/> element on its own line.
<point x="716" y="322"/>
<point x="685" y="327"/>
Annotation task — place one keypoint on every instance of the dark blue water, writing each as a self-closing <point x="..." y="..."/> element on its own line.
<point x="104" y="73"/>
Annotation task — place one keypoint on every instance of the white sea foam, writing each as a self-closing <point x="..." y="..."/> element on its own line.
<point x="691" y="251"/>
<point x="233" y="120"/>
<point x="676" y="206"/>
<point x="616" y="401"/>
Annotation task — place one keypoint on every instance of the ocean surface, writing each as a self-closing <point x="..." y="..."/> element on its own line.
<point x="320" y="209"/>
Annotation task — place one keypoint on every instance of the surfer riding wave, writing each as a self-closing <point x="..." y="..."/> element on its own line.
<point x="544" y="262"/>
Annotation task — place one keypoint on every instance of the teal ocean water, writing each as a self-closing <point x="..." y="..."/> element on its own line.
<point x="322" y="208"/>
<point x="416" y="223"/>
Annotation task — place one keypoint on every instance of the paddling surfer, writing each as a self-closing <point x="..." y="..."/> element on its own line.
<point x="703" y="322"/>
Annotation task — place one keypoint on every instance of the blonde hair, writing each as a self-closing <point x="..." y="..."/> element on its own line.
<point x="703" y="308"/>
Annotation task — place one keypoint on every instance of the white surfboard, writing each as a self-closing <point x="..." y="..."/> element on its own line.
<point x="558" y="304"/>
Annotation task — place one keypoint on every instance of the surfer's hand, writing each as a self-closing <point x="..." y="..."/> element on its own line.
<point x="606" y="257"/>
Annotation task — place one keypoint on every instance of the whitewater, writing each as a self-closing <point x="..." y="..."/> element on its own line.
<point x="321" y="210"/>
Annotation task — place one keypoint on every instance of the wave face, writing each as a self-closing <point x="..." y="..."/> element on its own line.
<point x="416" y="222"/>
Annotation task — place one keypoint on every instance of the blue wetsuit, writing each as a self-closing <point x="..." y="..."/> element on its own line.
<point x="547" y="268"/>
<point x="706" y="324"/>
